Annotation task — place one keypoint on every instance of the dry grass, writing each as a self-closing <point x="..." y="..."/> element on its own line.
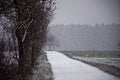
<point x="42" y="69"/>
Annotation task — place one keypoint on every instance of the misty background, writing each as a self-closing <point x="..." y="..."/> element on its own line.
<point x="87" y="37"/>
<point x="87" y="24"/>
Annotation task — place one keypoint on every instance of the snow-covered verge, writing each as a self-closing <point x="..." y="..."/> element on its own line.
<point x="109" y="65"/>
<point x="42" y="69"/>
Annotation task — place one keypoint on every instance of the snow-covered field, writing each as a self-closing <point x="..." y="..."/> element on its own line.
<point x="65" y="68"/>
<point x="108" y="61"/>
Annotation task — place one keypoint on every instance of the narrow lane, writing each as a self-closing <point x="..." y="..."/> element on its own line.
<point x="65" y="68"/>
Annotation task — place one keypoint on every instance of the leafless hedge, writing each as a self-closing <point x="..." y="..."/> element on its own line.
<point x="23" y="26"/>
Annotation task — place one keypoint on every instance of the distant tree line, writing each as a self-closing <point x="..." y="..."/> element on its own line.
<point x="87" y="25"/>
<point x="97" y="27"/>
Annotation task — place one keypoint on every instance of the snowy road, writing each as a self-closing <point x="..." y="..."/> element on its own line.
<point x="65" y="68"/>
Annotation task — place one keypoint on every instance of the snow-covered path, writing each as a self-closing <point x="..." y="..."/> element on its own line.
<point x="65" y="68"/>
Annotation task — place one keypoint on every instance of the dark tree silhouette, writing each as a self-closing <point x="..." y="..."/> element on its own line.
<point x="30" y="19"/>
<point x="51" y="42"/>
<point x="119" y="45"/>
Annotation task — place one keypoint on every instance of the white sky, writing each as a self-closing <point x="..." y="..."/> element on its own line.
<point x="87" y="12"/>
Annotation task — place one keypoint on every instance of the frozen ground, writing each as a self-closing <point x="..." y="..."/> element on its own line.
<point x="65" y="68"/>
<point x="108" y="61"/>
<point x="42" y="69"/>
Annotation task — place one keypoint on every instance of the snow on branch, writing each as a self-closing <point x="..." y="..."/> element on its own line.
<point x="26" y="30"/>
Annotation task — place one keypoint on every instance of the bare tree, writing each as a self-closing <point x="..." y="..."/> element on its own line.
<point x="51" y="42"/>
<point x="119" y="45"/>
<point x="30" y="19"/>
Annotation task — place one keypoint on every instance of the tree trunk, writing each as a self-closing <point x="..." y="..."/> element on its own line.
<point x="24" y="39"/>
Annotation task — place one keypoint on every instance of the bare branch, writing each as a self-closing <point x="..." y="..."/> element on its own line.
<point x="25" y="33"/>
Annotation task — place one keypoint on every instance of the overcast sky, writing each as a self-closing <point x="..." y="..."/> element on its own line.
<point x="87" y="12"/>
